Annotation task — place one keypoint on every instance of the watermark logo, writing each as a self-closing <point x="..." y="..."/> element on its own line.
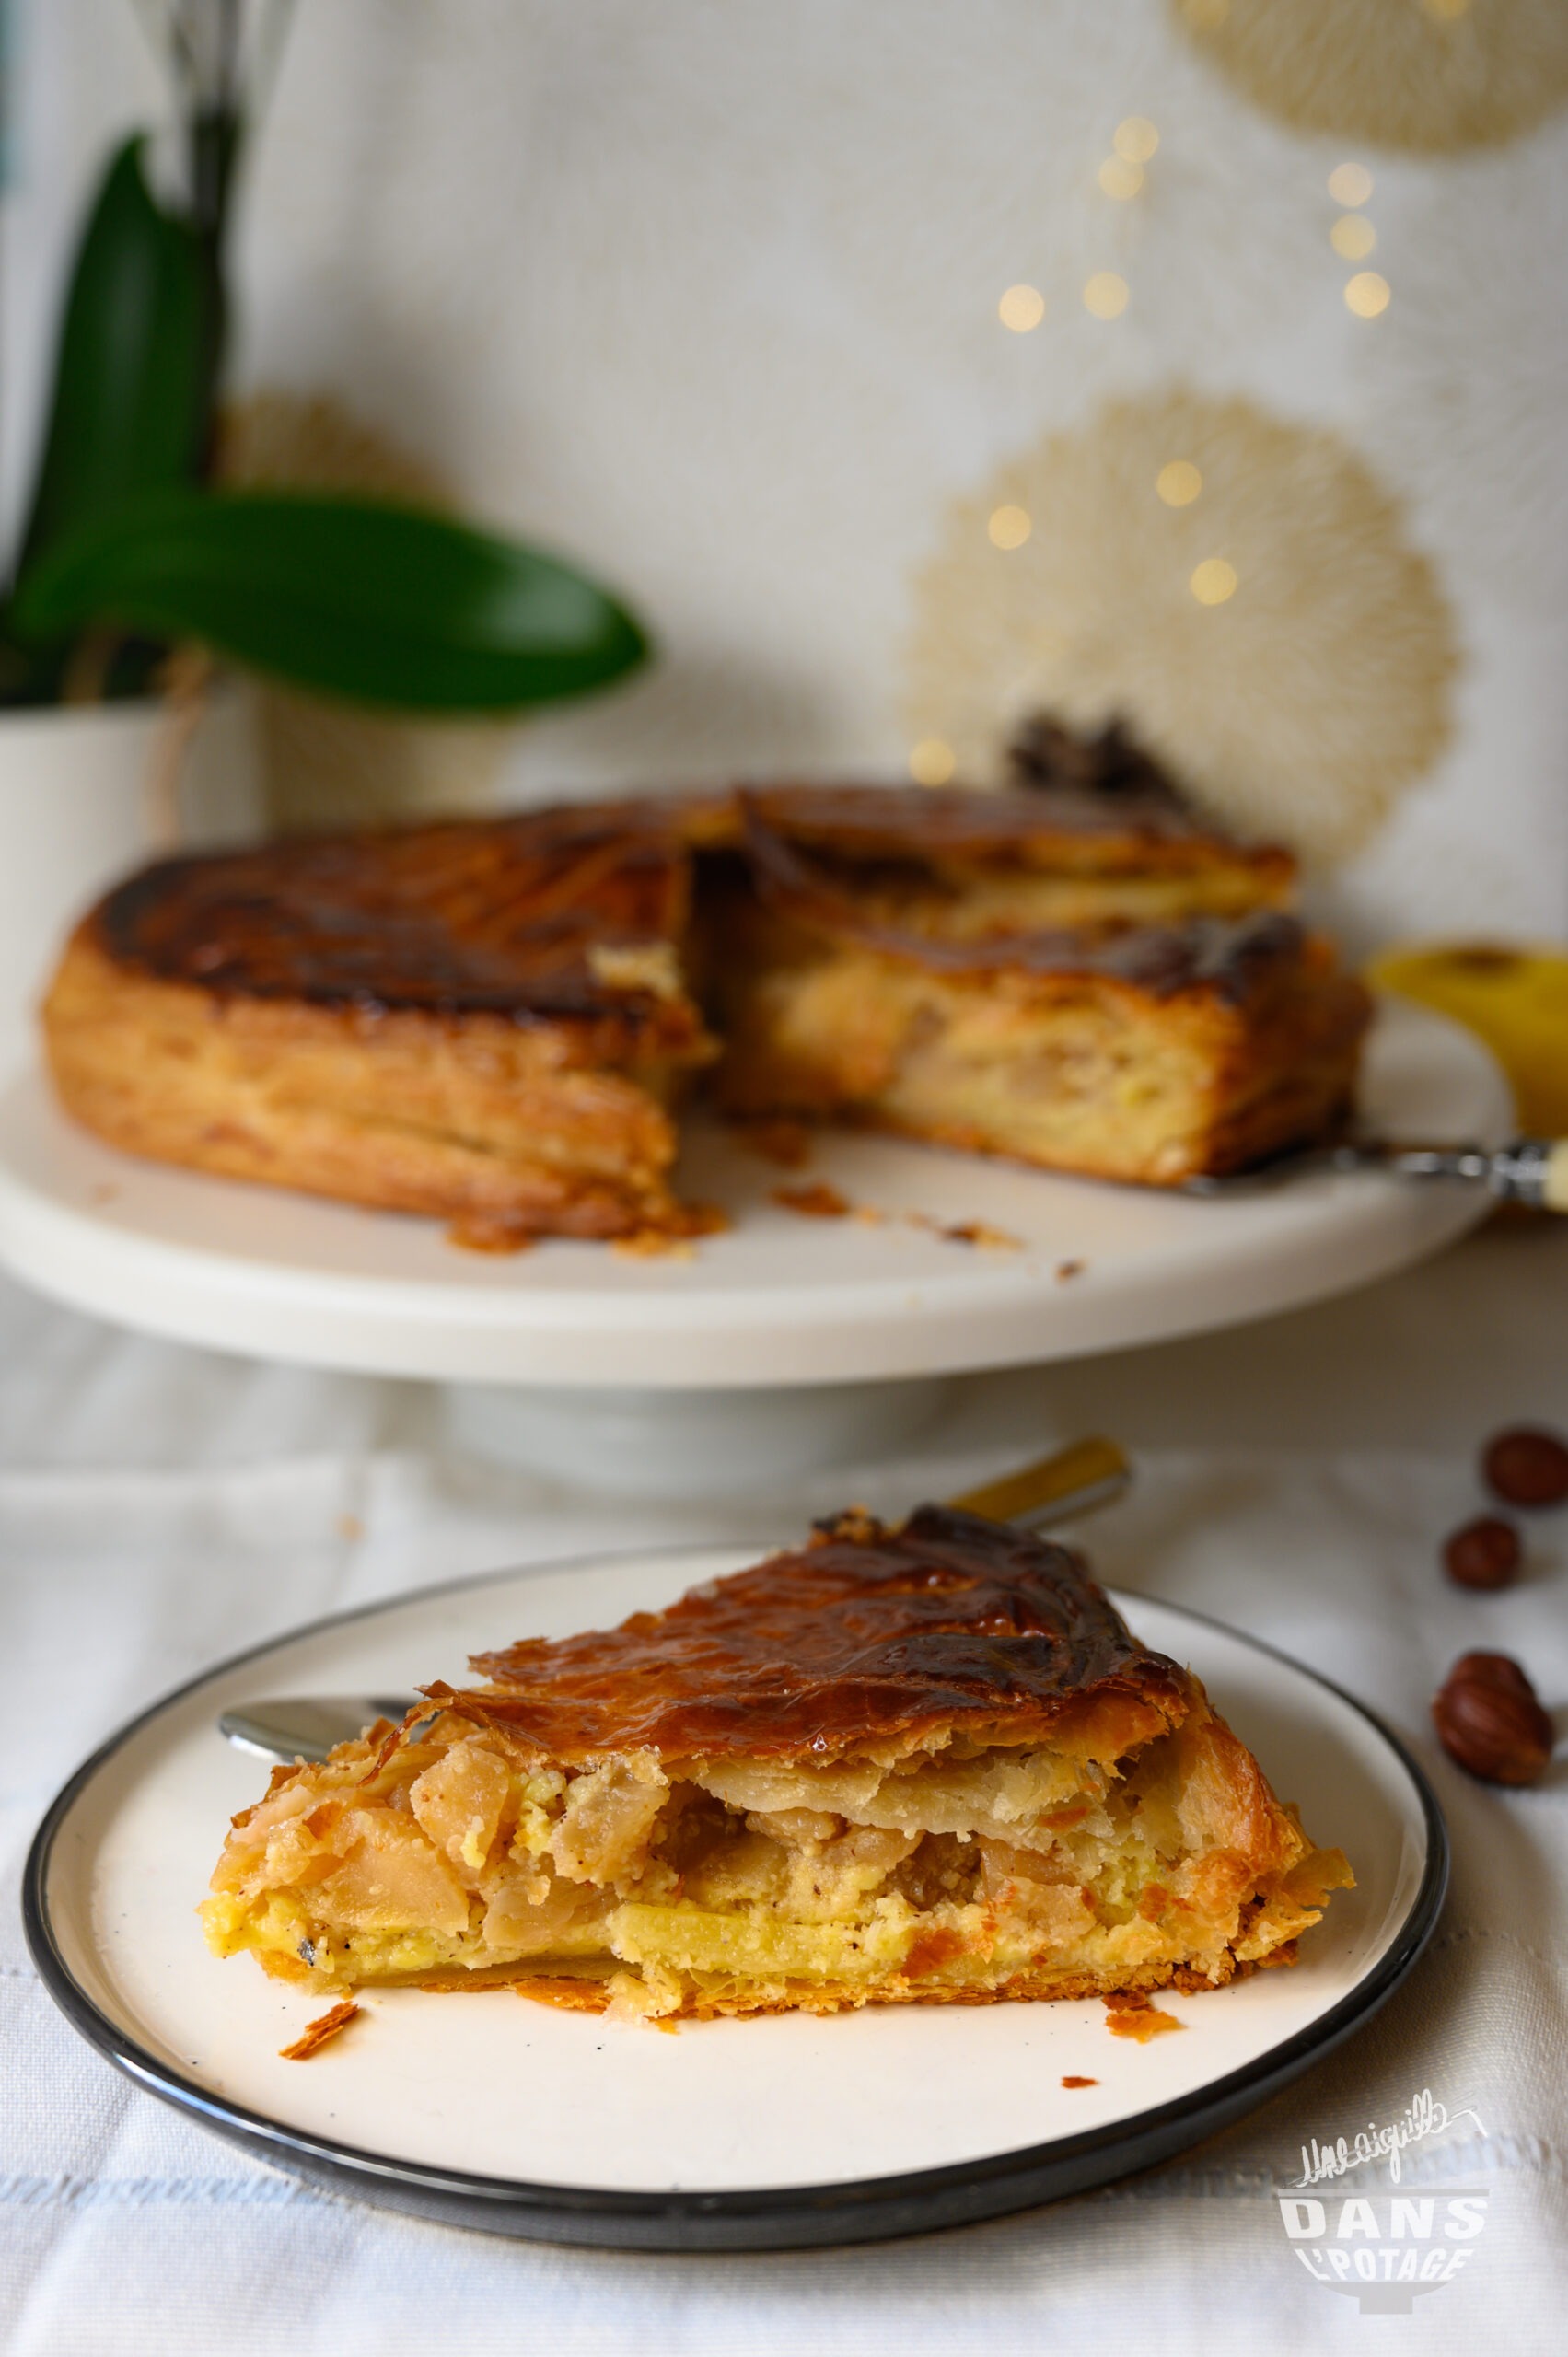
<point x="1383" y="2248"/>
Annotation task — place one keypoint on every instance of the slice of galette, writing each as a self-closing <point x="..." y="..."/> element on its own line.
<point x="920" y="1765"/>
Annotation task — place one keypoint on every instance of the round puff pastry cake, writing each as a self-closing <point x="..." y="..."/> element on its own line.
<point x="495" y="1021"/>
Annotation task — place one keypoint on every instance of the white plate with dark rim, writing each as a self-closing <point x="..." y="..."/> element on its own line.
<point x="487" y="2110"/>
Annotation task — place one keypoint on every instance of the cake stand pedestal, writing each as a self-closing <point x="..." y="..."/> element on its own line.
<point x="692" y="1443"/>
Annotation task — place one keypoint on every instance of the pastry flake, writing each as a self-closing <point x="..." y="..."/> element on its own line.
<point x="320" y="2032"/>
<point x="895" y="1766"/>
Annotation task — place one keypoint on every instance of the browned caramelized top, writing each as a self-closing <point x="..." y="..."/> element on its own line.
<point x="514" y="915"/>
<point x="498" y="915"/>
<point x="1056" y="827"/>
<point x="863" y="1638"/>
<point x="1231" y="958"/>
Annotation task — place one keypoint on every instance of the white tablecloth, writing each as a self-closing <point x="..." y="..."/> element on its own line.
<point x="160" y="1507"/>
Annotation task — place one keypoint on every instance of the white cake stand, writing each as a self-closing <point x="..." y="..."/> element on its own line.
<point x="785" y="1341"/>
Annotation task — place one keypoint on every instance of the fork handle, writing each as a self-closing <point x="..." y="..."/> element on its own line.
<point x="1054" y="1489"/>
<point x="1529" y="1170"/>
<point x="1552" y="1154"/>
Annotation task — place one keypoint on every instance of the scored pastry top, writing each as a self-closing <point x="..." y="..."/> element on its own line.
<point x="868" y="1639"/>
<point x="1231" y="957"/>
<point x="1055" y="827"/>
<point x="508" y="916"/>
<point x="516" y="915"/>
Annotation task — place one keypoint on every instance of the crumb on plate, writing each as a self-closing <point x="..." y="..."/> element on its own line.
<point x="1130" y="2015"/>
<point x="815" y="1200"/>
<point x="477" y="1233"/>
<point x="965" y="1231"/>
<point x="673" y="1237"/>
<point x="787" y="1145"/>
<point x="978" y="1232"/>
<point x="317" y="2032"/>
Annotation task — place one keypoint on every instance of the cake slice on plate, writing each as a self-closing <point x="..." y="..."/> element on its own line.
<point x="919" y="1765"/>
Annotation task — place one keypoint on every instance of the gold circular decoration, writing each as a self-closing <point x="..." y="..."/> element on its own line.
<point x="327" y="765"/>
<point x="1275" y="641"/>
<point x="1431" y="76"/>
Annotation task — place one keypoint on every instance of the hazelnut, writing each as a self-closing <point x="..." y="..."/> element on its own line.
<point x="1485" y="1554"/>
<point x="1526" y="1466"/>
<point x="1488" y="1718"/>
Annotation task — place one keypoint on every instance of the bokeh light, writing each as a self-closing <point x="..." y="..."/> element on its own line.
<point x="1350" y="185"/>
<point x="1009" y="528"/>
<point x="1352" y="237"/>
<point x="1021" y="308"/>
<point x="1179" y="483"/>
<point x="1213" y="581"/>
<point x="1135" y="139"/>
<point x="1367" y="293"/>
<point x="1106" y="295"/>
<point x="1120" y="178"/>
<point x="931" y="761"/>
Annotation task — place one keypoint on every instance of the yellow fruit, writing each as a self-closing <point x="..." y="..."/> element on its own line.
<point x="1516" y="1000"/>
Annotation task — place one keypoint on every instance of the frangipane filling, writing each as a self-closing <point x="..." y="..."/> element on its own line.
<point x="953" y="1868"/>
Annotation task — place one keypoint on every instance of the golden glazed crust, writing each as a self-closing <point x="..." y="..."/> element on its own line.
<point x="894" y="1640"/>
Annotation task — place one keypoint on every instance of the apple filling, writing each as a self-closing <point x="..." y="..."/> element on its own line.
<point x="450" y="1856"/>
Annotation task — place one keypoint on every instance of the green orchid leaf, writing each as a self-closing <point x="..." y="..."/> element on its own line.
<point x="354" y="599"/>
<point x="131" y="406"/>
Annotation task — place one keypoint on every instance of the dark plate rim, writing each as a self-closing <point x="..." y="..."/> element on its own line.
<point x="841" y="2210"/>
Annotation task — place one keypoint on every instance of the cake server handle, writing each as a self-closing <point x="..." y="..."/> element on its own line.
<point x="307" y="1726"/>
<point x="1527" y="1170"/>
<point x="1533" y="1171"/>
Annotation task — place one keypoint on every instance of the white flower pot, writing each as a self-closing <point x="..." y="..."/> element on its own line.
<point x="87" y="792"/>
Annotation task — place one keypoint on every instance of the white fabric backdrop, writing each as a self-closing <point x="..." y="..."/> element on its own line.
<point x="707" y="295"/>
<point x="160" y="1507"/>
